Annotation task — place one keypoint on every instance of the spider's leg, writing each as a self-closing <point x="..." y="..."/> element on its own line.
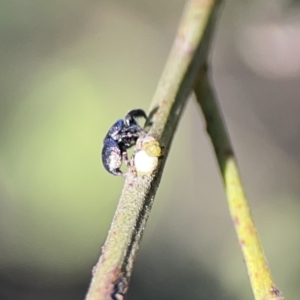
<point x="129" y="162"/>
<point x="126" y="159"/>
<point x="133" y="131"/>
<point x="118" y="172"/>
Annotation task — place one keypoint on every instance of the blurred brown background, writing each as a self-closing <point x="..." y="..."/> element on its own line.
<point x="69" y="69"/>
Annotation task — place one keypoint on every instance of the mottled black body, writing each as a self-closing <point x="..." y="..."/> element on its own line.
<point x="120" y="137"/>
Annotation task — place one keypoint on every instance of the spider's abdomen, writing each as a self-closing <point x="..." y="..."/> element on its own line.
<point x="112" y="157"/>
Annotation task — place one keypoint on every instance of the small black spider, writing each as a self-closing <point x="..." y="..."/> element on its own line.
<point x="121" y="136"/>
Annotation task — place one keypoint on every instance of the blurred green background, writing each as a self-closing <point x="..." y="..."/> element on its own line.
<point x="69" y="70"/>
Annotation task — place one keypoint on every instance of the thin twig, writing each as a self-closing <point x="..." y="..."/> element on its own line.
<point x="263" y="286"/>
<point x="112" y="273"/>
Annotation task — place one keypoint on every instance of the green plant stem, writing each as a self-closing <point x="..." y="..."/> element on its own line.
<point x="112" y="273"/>
<point x="262" y="283"/>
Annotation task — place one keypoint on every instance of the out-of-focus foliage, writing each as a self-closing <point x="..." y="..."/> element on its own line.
<point x="69" y="69"/>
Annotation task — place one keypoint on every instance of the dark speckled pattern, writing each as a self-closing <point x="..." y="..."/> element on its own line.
<point x="121" y="136"/>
